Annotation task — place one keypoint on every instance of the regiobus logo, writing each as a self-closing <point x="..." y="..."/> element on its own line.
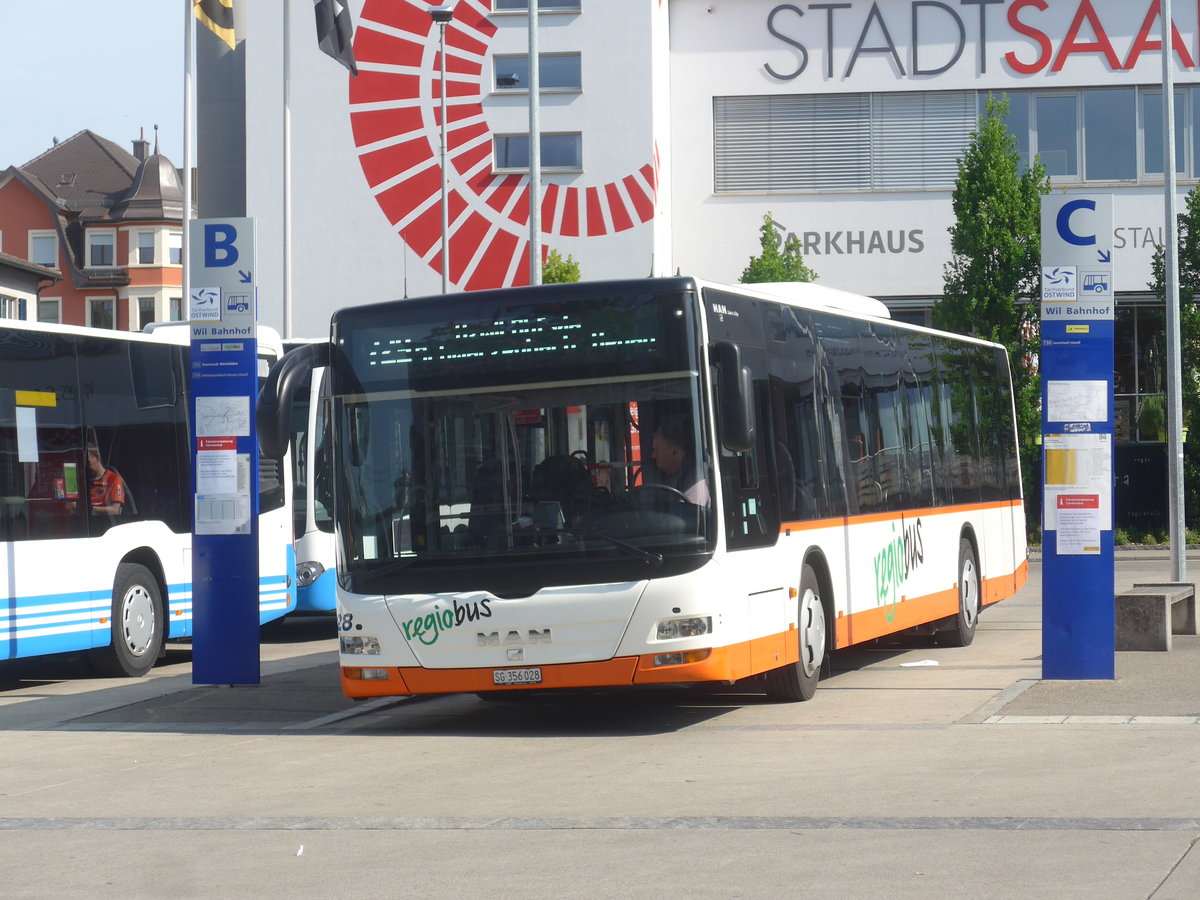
<point x="395" y="115"/>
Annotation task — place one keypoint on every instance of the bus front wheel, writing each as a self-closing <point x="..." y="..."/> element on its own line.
<point x="137" y="624"/>
<point x="798" y="681"/>
<point x="959" y="630"/>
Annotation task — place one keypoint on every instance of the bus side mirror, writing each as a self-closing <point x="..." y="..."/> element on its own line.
<point x="735" y="398"/>
<point x="358" y="424"/>
<point x="273" y="411"/>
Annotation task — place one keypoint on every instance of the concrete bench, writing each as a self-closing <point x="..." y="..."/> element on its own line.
<point x="1148" y="614"/>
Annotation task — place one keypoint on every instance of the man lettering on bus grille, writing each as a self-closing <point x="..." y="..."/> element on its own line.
<point x="677" y="469"/>
<point x="107" y="488"/>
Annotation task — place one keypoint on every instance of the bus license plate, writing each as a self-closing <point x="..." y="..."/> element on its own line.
<point x="516" y="676"/>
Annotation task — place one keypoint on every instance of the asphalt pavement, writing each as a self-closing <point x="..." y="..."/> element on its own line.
<point x="918" y="771"/>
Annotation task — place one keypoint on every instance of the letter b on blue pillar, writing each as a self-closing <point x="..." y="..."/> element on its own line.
<point x="220" y="245"/>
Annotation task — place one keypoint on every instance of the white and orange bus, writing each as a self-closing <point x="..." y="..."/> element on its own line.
<point x="506" y="521"/>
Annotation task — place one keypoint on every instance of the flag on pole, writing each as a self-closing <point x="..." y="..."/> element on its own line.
<point x="335" y="32"/>
<point x="217" y="17"/>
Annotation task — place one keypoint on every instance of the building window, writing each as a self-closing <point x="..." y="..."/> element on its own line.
<point x="176" y="309"/>
<point x="175" y="248"/>
<point x="145" y="248"/>
<point x="523" y="5"/>
<point x="560" y="152"/>
<point x="835" y="142"/>
<point x="1139" y="372"/>
<point x="43" y="248"/>
<point x="913" y="140"/>
<point x="101" y="248"/>
<point x="556" y="72"/>
<point x="11" y="307"/>
<point x="1056" y="127"/>
<point x="1109" y="144"/>
<point x="1152" y="132"/>
<point x="145" y="310"/>
<point x="1115" y="132"/>
<point x="100" y="314"/>
<point x="1017" y="120"/>
<point x="49" y="309"/>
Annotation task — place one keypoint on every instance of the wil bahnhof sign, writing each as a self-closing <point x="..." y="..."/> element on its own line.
<point x="1078" y="634"/>
<point x="224" y="380"/>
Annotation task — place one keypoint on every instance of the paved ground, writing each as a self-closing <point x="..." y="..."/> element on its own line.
<point x="918" y="771"/>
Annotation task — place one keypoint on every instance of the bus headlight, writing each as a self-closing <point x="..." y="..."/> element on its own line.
<point x="361" y="645"/>
<point x="693" y="626"/>
<point x="679" y="659"/>
<point x="308" y="572"/>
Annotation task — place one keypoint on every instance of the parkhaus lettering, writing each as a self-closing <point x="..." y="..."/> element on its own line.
<point x="854" y="243"/>
<point x="960" y="36"/>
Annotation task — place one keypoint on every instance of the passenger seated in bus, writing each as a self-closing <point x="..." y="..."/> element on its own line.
<point x="676" y="468"/>
<point x="107" y="493"/>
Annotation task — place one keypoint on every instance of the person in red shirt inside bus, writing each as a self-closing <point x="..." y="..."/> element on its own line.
<point x="106" y="488"/>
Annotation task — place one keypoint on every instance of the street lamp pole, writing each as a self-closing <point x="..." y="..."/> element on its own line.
<point x="442" y="15"/>
<point x="1178" y="531"/>
<point x="535" y="152"/>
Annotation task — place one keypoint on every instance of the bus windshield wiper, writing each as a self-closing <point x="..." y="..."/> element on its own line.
<point x="649" y="557"/>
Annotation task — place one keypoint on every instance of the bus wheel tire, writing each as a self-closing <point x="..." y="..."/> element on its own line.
<point x="798" y="681"/>
<point x="961" y="627"/>
<point x="137" y="625"/>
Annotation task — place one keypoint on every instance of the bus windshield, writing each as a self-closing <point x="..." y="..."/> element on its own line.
<point x="478" y="436"/>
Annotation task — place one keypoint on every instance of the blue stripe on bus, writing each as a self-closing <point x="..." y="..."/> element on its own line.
<point x="79" y="620"/>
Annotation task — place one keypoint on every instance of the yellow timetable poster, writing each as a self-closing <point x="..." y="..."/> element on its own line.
<point x="1078" y="464"/>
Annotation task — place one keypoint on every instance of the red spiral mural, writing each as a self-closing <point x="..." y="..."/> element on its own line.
<point x="395" y="115"/>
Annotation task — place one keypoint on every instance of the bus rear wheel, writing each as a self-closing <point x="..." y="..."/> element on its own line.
<point x="798" y="681"/>
<point x="137" y="624"/>
<point x="959" y="630"/>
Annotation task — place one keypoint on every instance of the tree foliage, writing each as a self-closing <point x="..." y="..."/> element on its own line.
<point x="1188" y="262"/>
<point x="991" y="284"/>
<point x="559" y="270"/>
<point x="780" y="260"/>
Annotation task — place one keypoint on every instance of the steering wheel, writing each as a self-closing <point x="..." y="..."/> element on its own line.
<point x="652" y="486"/>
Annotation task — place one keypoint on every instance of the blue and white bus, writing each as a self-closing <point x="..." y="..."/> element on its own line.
<point x="312" y="493"/>
<point x="118" y="583"/>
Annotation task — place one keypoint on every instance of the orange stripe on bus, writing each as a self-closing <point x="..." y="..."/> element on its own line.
<point x="866" y="518"/>
<point x="892" y="617"/>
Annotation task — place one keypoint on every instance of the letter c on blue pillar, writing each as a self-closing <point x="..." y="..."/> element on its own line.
<point x="1063" y="223"/>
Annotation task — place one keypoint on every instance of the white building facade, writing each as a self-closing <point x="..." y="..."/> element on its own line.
<point x="671" y="127"/>
<point x="845" y="121"/>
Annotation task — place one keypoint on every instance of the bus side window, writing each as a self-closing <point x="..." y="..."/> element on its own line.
<point x="751" y="507"/>
<point x="42" y="463"/>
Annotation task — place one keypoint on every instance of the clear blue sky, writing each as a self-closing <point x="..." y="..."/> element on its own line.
<point x="114" y="66"/>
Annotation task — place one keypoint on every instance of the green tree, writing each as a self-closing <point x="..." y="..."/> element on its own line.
<point x="780" y="259"/>
<point x="557" y="270"/>
<point x="992" y="282"/>
<point x="1188" y="260"/>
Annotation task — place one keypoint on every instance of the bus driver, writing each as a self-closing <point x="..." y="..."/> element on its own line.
<point x="676" y="467"/>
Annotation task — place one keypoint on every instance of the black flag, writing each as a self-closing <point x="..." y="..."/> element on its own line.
<point x="335" y="32"/>
<point x="217" y="16"/>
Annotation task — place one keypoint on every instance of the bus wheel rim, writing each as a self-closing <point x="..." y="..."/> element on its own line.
<point x="812" y="632"/>
<point x="137" y="619"/>
<point x="970" y="591"/>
